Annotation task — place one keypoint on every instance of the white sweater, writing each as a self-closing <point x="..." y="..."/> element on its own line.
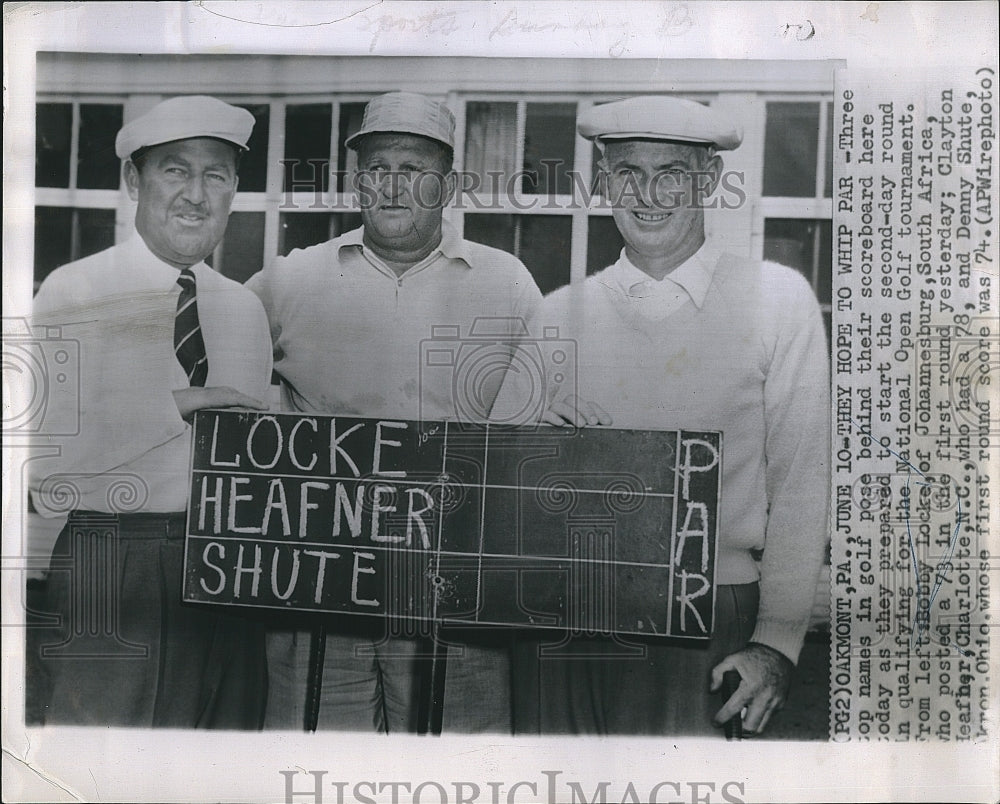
<point x="721" y="344"/>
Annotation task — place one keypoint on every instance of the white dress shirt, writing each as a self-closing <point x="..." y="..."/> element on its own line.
<point x="655" y="299"/>
<point x="132" y="451"/>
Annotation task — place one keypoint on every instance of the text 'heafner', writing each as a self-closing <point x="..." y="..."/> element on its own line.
<point x="359" y="507"/>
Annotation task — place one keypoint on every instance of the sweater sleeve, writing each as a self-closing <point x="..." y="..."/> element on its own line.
<point x="262" y="284"/>
<point x="797" y="453"/>
<point x="532" y="381"/>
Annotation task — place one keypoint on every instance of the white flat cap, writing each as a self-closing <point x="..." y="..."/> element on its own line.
<point x="657" y="117"/>
<point x="406" y="113"/>
<point x="182" y="118"/>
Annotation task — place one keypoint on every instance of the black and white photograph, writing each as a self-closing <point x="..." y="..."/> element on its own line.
<point x="498" y="402"/>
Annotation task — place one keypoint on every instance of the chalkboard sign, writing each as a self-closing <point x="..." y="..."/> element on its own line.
<point x="597" y="531"/>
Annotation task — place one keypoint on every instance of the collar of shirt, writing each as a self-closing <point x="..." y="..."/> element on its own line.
<point x="148" y="271"/>
<point x="451" y="246"/>
<point x="692" y="277"/>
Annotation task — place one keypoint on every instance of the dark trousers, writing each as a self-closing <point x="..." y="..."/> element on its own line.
<point x="130" y="653"/>
<point x="600" y="686"/>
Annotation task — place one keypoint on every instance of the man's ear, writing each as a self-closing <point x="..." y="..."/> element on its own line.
<point x="602" y="176"/>
<point x="450" y="186"/>
<point x="131" y="175"/>
<point x="714" y="169"/>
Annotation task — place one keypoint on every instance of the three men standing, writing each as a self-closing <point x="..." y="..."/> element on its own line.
<point x="673" y="334"/>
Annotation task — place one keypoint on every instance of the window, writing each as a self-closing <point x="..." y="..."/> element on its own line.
<point x="241" y="253"/>
<point x="542" y="241"/>
<point x="527" y="178"/>
<point x="75" y="145"/>
<point x="301" y="230"/>
<point x="528" y="181"/>
<point x="805" y="245"/>
<point x="287" y="195"/>
<point x="307" y="147"/>
<point x="797" y="210"/>
<point x="533" y="177"/>
<point x="77" y="176"/>
<point x="790" y="149"/>
<point x="604" y="243"/>
<point x="254" y="163"/>
<point x="53" y="134"/>
<point x="64" y="234"/>
<point x="295" y="186"/>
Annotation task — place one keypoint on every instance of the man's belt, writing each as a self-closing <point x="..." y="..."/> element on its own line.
<point x="143" y="525"/>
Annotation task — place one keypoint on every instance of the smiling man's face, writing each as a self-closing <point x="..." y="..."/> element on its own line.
<point x="658" y="191"/>
<point x="184" y="190"/>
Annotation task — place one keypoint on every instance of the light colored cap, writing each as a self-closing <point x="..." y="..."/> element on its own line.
<point x="182" y="118"/>
<point x="406" y="113"/>
<point x="658" y="117"/>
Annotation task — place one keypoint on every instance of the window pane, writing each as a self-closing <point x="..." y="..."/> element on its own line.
<point x="253" y="166"/>
<point x="55" y="243"/>
<point x="97" y="231"/>
<point x="351" y="115"/>
<point x="491" y="230"/>
<point x="790" y="146"/>
<point x="549" y="141"/>
<point x="243" y="246"/>
<point x="53" y="235"/>
<point x="345" y="222"/>
<point x="545" y="249"/>
<point x="490" y="141"/>
<point x="304" y="229"/>
<point x="301" y="230"/>
<point x="604" y="243"/>
<point x="828" y="184"/>
<point x="824" y="274"/>
<point x="804" y="245"/>
<point x="541" y="242"/>
<point x="307" y="147"/>
<point x="595" y="166"/>
<point x="53" y="122"/>
<point x="98" y="167"/>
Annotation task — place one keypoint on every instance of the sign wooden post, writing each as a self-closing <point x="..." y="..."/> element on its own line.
<point x="433" y="671"/>
<point x="314" y="682"/>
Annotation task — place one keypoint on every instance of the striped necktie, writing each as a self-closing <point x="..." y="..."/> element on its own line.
<point x="189" y="346"/>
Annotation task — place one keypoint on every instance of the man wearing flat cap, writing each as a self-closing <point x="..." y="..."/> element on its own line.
<point x="678" y="335"/>
<point x="347" y="320"/>
<point x="160" y="336"/>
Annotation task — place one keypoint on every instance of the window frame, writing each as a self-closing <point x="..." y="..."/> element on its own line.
<point x="817" y="207"/>
<point x="73" y="196"/>
<point x="273" y="202"/>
